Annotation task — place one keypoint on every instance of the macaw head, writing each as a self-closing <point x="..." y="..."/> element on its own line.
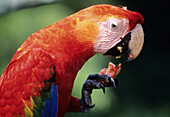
<point x="118" y="31"/>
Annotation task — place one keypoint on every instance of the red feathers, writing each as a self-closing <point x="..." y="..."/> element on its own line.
<point x="67" y="45"/>
<point x="24" y="78"/>
<point x="102" y="12"/>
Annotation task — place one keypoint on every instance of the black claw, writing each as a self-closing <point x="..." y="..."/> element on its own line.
<point x="116" y="81"/>
<point x="95" y="81"/>
<point x="90" y="106"/>
<point x="103" y="88"/>
<point x="113" y="83"/>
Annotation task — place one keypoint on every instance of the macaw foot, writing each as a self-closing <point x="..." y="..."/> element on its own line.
<point x="95" y="81"/>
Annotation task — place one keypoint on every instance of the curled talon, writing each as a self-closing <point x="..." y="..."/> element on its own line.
<point x="105" y="78"/>
<point x="94" y="81"/>
<point x="90" y="106"/>
<point x="116" y="81"/>
<point x="103" y="88"/>
<point x="113" y="82"/>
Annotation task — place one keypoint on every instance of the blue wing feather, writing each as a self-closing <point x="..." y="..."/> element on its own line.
<point x="51" y="104"/>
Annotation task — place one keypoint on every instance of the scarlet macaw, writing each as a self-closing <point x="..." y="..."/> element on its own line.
<point x="39" y="79"/>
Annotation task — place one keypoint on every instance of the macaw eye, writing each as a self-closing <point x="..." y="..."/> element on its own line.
<point x="113" y="25"/>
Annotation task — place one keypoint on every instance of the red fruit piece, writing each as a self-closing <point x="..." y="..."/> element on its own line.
<point x="112" y="70"/>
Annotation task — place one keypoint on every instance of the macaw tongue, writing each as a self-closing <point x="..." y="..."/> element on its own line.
<point x="112" y="70"/>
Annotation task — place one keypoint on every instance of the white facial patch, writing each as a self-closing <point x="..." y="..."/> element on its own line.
<point x="110" y="33"/>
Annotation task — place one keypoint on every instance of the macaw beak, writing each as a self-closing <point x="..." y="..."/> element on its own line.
<point x="136" y="42"/>
<point x="131" y="44"/>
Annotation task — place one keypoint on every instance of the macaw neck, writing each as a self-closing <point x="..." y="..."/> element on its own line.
<point x="61" y="42"/>
<point x="70" y="60"/>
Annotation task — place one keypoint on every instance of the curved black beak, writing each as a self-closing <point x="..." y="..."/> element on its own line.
<point x="121" y="48"/>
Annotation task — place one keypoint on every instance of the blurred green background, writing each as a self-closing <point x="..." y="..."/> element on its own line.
<point x="144" y="84"/>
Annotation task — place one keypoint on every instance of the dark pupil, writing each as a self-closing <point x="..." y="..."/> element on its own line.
<point x="113" y="25"/>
